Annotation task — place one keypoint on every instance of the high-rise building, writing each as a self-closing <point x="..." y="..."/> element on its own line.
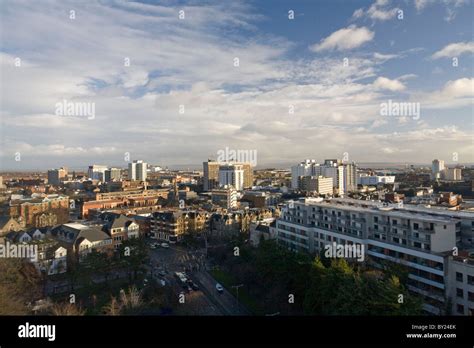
<point x="350" y="177"/>
<point x="97" y="172"/>
<point x="437" y="168"/>
<point x="55" y="175"/>
<point x="113" y="174"/>
<point x="343" y="175"/>
<point x="453" y="174"/>
<point x="137" y="170"/>
<point x="319" y="184"/>
<point x="231" y="175"/>
<point x="211" y="174"/>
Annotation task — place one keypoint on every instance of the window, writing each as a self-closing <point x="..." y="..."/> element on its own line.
<point x="376" y="219"/>
<point x="415" y="226"/>
<point x="459" y="277"/>
<point x="394" y="222"/>
<point x="459" y="293"/>
<point x="460" y="309"/>
<point x="470" y="296"/>
<point x="470" y="280"/>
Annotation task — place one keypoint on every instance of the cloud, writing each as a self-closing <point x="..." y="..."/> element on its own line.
<point x="378" y="11"/>
<point x="391" y="85"/>
<point x="454" y="50"/>
<point x="456" y="93"/>
<point x="344" y="39"/>
<point x="451" y="6"/>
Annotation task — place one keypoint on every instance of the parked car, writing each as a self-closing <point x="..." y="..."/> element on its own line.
<point x="195" y="286"/>
<point x="162" y="282"/>
<point x="165" y="245"/>
<point x="219" y="288"/>
<point x="161" y="273"/>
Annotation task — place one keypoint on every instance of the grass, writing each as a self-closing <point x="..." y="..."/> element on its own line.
<point x="227" y="280"/>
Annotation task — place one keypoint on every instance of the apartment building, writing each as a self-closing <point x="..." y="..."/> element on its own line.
<point x="419" y="238"/>
<point x="319" y="184"/>
<point x="211" y="174"/>
<point x="343" y="174"/>
<point x="171" y="225"/>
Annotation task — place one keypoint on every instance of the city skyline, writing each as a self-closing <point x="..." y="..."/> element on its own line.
<point x="174" y="83"/>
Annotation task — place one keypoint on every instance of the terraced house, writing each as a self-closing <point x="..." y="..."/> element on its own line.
<point x="429" y="242"/>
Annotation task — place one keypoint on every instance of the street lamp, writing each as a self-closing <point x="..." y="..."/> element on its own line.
<point x="236" y="287"/>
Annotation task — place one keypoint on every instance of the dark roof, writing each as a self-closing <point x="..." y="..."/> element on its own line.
<point x="119" y="221"/>
<point x="92" y="234"/>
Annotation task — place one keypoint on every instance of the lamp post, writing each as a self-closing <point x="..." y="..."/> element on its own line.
<point x="236" y="287"/>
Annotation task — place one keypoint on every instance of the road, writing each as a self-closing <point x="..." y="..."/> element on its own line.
<point x="178" y="259"/>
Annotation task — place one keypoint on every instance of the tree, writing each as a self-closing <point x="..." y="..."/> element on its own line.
<point x="20" y="284"/>
<point x="134" y="255"/>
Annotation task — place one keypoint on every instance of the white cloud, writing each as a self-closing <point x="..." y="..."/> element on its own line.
<point x="378" y="11"/>
<point x="454" y="50"/>
<point x="391" y="85"/>
<point x="344" y="39"/>
<point x="457" y="93"/>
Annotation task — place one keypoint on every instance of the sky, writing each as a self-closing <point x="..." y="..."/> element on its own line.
<point x="174" y="82"/>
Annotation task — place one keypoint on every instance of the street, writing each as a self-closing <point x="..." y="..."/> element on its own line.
<point x="178" y="259"/>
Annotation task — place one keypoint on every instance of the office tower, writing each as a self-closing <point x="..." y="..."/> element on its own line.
<point x="350" y="177"/>
<point x="231" y="175"/>
<point x="437" y="169"/>
<point x="97" y="172"/>
<point x="453" y="174"/>
<point x="137" y="170"/>
<point x="113" y="174"/>
<point x="319" y="184"/>
<point x="343" y="175"/>
<point x="211" y="174"/>
<point x="305" y="168"/>
<point x="55" y="175"/>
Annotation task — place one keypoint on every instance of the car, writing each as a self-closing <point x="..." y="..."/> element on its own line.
<point x="161" y="273"/>
<point x="165" y="245"/>
<point x="152" y="246"/>
<point x="162" y="282"/>
<point x="195" y="287"/>
<point x="219" y="288"/>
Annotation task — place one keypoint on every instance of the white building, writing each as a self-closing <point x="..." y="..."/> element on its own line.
<point x="343" y="175"/>
<point x="231" y="175"/>
<point x="420" y="238"/>
<point x="319" y="184"/>
<point x="97" y="172"/>
<point x="453" y="174"/>
<point x="137" y="170"/>
<point x="364" y="179"/>
<point x="437" y="167"/>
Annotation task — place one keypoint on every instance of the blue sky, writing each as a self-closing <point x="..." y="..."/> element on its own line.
<point x="189" y="63"/>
